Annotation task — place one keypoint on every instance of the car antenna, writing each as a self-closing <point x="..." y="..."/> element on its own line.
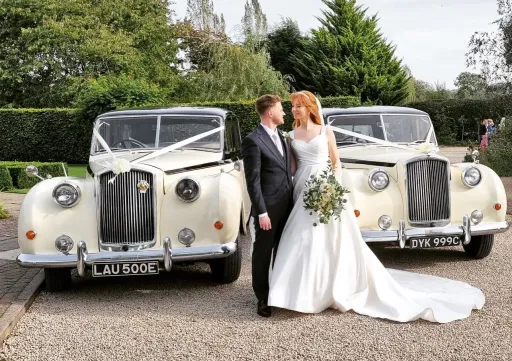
<point x="64" y="169"/>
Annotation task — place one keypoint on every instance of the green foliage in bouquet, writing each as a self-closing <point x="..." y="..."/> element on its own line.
<point x="324" y="195"/>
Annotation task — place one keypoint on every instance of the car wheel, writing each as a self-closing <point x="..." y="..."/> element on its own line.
<point x="227" y="269"/>
<point x="57" y="279"/>
<point x="480" y="246"/>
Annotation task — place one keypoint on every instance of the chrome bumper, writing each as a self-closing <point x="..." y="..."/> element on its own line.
<point x="167" y="256"/>
<point x="465" y="231"/>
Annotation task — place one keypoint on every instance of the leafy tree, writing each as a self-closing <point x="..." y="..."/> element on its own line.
<point x="254" y="23"/>
<point x="199" y="32"/>
<point x="471" y="85"/>
<point x="50" y="47"/>
<point x="493" y="51"/>
<point x="201" y="15"/>
<point x="281" y="43"/>
<point x="347" y="55"/>
<point x="237" y="73"/>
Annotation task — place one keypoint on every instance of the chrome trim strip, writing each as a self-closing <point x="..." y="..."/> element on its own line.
<point x="394" y="236"/>
<point x="178" y="255"/>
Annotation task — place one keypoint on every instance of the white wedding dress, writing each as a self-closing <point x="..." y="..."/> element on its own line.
<point x="330" y="266"/>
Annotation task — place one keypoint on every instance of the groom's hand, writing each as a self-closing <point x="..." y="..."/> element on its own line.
<point x="265" y="223"/>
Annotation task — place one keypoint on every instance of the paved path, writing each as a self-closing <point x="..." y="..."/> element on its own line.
<point x="13" y="279"/>
<point x="454" y="154"/>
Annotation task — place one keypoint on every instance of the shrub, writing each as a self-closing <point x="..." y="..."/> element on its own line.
<point x="3" y="213"/>
<point x="498" y="155"/>
<point x="109" y="92"/>
<point x="20" y="179"/>
<point x="5" y="178"/>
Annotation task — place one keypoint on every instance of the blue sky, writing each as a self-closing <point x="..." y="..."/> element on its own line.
<point x="431" y="36"/>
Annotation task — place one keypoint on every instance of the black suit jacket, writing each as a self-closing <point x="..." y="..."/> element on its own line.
<point x="267" y="173"/>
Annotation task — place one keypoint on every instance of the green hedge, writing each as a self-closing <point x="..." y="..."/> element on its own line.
<point x="5" y="178"/>
<point x="19" y="179"/>
<point x="59" y="135"/>
<point x="45" y="135"/>
<point x="457" y="121"/>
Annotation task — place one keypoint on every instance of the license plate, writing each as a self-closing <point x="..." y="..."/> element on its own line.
<point x="436" y="241"/>
<point x="125" y="269"/>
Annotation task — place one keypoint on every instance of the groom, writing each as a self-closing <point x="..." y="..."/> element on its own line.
<point x="267" y="164"/>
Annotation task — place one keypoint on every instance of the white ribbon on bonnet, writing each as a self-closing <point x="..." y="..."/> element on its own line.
<point x="426" y="147"/>
<point x="120" y="165"/>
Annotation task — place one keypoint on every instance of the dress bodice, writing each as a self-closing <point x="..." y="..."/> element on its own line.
<point x="314" y="152"/>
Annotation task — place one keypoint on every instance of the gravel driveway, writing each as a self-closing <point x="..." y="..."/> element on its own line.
<point x="183" y="316"/>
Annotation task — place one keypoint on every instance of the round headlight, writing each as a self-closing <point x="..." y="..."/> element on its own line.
<point x="477" y="216"/>
<point x="384" y="222"/>
<point x="187" y="190"/>
<point x="66" y="194"/>
<point x="378" y="180"/>
<point x="471" y="176"/>
<point x="64" y="243"/>
<point x="186" y="236"/>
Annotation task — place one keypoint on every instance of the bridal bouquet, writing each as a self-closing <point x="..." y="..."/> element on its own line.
<point x="324" y="195"/>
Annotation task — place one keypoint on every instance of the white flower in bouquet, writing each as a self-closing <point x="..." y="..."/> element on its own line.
<point x="325" y="195"/>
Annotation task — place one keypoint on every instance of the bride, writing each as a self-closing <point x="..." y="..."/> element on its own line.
<point x="330" y="265"/>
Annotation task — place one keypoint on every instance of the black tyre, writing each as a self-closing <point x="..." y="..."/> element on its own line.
<point x="57" y="279"/>
<point x="227" y="269"/>
<point x="480" y="246"/>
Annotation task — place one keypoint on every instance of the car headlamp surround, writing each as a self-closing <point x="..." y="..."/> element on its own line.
<point x="376" y="178"/>
<point x="470" y="178"/>
<point x="187" y="189"/>
<point x="67" y="194"/>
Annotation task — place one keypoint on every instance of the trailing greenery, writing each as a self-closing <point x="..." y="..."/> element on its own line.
<point x="20" y="180"/>
<point x="62" y="135"/>
<point x="457" y="121"/>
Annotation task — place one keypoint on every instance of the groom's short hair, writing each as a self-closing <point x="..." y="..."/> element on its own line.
<point x="265" y="102"/>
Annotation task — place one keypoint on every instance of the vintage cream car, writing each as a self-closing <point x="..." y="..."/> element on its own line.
<point x="404" y="192"/>
<point x="162" y="186"/>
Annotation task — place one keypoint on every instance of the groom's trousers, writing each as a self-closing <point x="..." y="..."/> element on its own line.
<point x="266" y="242"/>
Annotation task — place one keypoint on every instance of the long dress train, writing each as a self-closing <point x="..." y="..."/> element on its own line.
<point x="331" y="266"/>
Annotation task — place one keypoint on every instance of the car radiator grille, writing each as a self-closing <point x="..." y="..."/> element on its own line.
<point x="428" y="191"/>
<point x="127" y="216"/>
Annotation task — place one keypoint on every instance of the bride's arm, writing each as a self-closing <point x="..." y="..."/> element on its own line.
<point x="333" y="152"/>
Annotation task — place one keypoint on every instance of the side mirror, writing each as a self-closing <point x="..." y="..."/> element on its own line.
<point x="32" y="171"/>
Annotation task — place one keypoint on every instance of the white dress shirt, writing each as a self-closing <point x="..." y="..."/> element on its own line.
<point x="274" y="135"/>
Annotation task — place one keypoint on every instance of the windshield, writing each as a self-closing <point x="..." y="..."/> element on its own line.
<point x="153" y="132"/>
<point x="396" y="128"/>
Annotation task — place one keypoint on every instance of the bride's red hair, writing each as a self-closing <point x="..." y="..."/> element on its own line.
<point x="308" y="100"/>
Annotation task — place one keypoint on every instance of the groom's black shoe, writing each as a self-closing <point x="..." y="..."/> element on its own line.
<point x="263" y="309"/>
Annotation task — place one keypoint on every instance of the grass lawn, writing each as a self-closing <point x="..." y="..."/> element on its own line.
<point x="77" y="170"/>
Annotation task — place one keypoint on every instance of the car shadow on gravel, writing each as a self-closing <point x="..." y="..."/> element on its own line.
<point x="394" y="257"/>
